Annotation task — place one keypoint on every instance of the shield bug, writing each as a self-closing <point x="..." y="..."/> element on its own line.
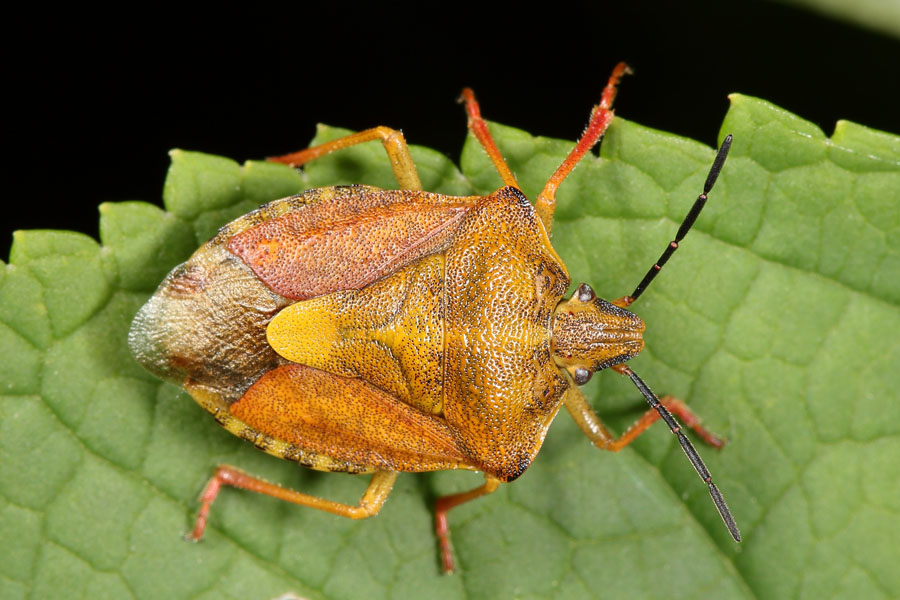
<point x="362" y="330"/>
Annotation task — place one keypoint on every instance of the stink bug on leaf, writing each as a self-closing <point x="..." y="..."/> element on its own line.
<point x="362" y="330"/>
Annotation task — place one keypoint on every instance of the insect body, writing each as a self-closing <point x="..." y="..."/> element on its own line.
<point x="362" y="330"/>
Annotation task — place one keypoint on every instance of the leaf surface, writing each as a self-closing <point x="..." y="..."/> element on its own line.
<point x="778" y="321"/>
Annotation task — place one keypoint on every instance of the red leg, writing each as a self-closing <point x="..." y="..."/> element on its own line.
<point x="590" y="424"/>
<point x="593" y="427"/>
<point x="371" y="502"/>
<point x="601" y="116"/>
<point x="444" y="504"/>
<point x="479" y="129"/>
<point x="394" y="144"/>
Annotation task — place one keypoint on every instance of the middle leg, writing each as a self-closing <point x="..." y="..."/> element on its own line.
<point x="394" y="144"/>
<point x="444" y="504"/>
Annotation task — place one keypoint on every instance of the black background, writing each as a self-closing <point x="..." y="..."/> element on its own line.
<point x="95" y="101"/>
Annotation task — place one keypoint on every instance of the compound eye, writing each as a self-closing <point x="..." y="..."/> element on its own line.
<point x="585" y="293"/>
<point x="582" y="375"/>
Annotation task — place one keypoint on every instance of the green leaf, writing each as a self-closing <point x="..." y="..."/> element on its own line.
<point x="778" y="321"/>
<point x="880" y="15"/>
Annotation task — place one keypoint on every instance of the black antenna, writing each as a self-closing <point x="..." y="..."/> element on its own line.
<point x="687" y="223"/>
<point x="686" y="444"/>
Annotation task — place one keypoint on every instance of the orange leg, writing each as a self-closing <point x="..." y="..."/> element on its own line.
<point x="588" y="421"/>
<point x="444" y="504"/>
<point x="601" y="117"/>
<point x="369" y="505"/>
<point x="590" y="424"/>
<point x="392" y="140"/>
<point x="479" y="129"/>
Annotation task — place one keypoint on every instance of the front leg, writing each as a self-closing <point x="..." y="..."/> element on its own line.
<point x="588" y="421"/>
<point x="590" y="424"/>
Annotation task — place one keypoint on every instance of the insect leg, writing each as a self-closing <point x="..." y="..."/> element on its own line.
<point x="601" y="116"/>
<point x="688" y="448"/>
<point x="379" y="487"/>
<point x="479" y="129"/>
<point x="392" y="140"/>
<point x="588" y="421"/>
<point x="444" y="504"/>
